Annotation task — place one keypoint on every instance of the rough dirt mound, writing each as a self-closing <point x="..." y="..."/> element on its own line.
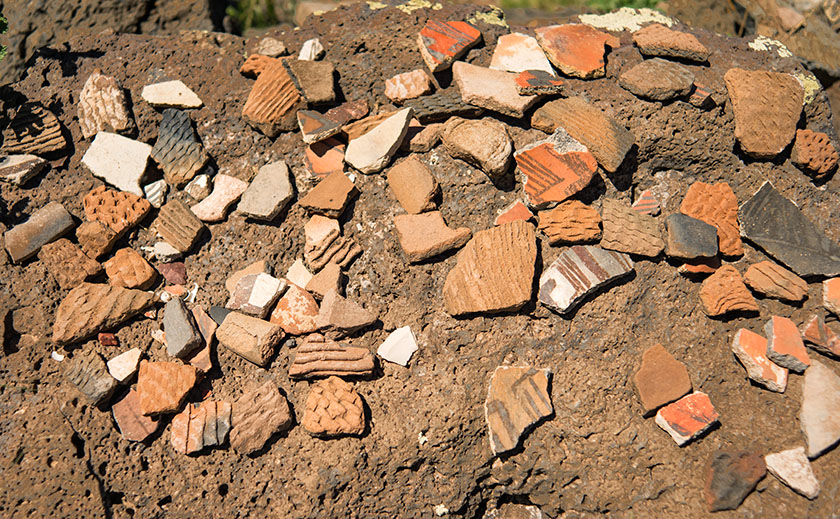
<point x="426" y="450"/>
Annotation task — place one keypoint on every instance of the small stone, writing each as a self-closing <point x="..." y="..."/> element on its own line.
<point x="257" y="267"/>
<point x="646" y="203"/>
<point x="661" y="379"/>
<point x="67" y="263"/>
<point x="119" y="210"/>
<point x="484" y="143"/>
<point x="296" y="312"/>
<point x="268" y="194"/>
<point x="570" y="222"/>
<point x="19" y="169"/>
<point x="716" y="205"/>
<point x="178" y="150"/>
<point x="776" y="224"/>
<point x="627" y="230"/>
<point x="107" y="339"/>
<point x="217" y="424"/>
<point x="163" y="386"/>
<point x="178" y="226"/>
<point x="657" y="79"/>
<point x="818" y="416"/>
<point x="324" y="244"/>
<point x="408" y="85"/>
<point x="579" y="271"/>
<point x="688" y="417"/>
<point x="255" y="294"/>
<point x="399" y="346"/>
<point x="133" y="425"/>
<point x="320" y="357"/>
<point x="442" y="105"/>
<point x="538" y="82"/>
<point x="372" y="151"/>
<point x="118" y="160"/>
<point x="170" y="94"/>
<point x="47" y="224"/>
<point x="413" y="185"/>
<point x="657" y="40"/>
<point x="700" y="267"/>
<point x="182" y="335"/>
<point x="442" y="43"/>
<point x="554" y="169"/>
<point x="254" y="65"/>
<point x="328" y="279"/>
<point x="494" y="271"/>
<point x="311" y="50"/>
<point x="604" y="137"/>
<point x="767" y="106"/>
<point x="314" y="80"/>
<point x="515" y="211"/>
<point x="423" y="236"/>
<point x="794" y="470"/>
<point x="517" y="399"/>
<point x="218" y="314"/>
<point x="342" y="316"/>
<point x="271" y="47"/>
<point x="751" y="350"/>
<point x="333" y="408"/>
<point x="814" y="153"/>
<point x="730" y="477"/>
<point x="95" y="239"/>
<point x="274" y="100"/>
<point x="103" y="107"/>
<point x="175" y="273"/>
<point x="784" y="344"/>
<point x="491" y="89"/>
<point x="166" y="253"/>
<point x="156" y="192"/>
<point x="314" y="127"/>
<point x="820" y="337"/>
<point x="33" y="130"/>
<point x="88" y="373"/>
<point x="577" y="50"/>
<point x="519" y="52"/>
<point x="226" y="191"/>
<point x="128" y="269"/>
<point x="125" y="365"/>
<point x="257" y="416"/>
<point x="724" y="292"/>
<point x="324" y="158"/>
<point x="199" y="187"/>
<point x="331" y="196"/>
<point x="91" y="308"/>
<point x="252" y="339"/>
<point x="298" y="274"/>
<point x="690" y="238"/>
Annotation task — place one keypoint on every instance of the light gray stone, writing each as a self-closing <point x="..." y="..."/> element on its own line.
<point x="182" y="334"/>
<point x="794" y="470"/>
<point x="311" y="50"/>
<point x="269" y="193"/>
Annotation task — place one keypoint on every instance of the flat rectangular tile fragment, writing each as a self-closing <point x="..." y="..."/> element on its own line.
<point x="47" y="224"/>
<point x="578" y="271"/>
<point x="688" y="417"/>
<point x="751" y="350"/>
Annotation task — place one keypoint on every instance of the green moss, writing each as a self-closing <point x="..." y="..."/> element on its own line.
<point x="249" y="14"/>
<point x="4" y="25"/>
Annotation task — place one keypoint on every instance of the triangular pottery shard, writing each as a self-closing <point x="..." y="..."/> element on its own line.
<point x="774" y="223"/>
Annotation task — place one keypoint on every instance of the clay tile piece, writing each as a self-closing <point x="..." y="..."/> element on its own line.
<point x="255" y="294"/>
<point x="657" y="79"/>
<point x="814" y="153"/>
<point x="315" y="127"/>
<point x="324" y="244"/>
<point x="257" y="416"/>
<point x="646" y="203"/>
<point x="253" y="339"/>
<point x="442" y="43"/>
<point x="87" y="371"/>
<point x="273" y="101"/>
<point x="226" y="191"/>
<point x="317" y="356"/>
<point x="716" y="205"/>
<point x="133" y="425"/>
<point x="772" y="280"/>
<point x="661" y="379"/>
<point x="324" y="158"/>
<point x="33" y="130"/>
<point x="538" y="82"/>
<point x="163" y="386"/>
<point x="341" y="316"/>
<point x="724" y="292"/>
<point x="129" y="269"/>
<point x="333" y="408"/>
<point x="118" y="210"/>
<point x="91" y="308"/>
<point x="413" y="185"/>
<point x="577" y="50"/>
<point x="494" y="271"/>
<point x="67" y="263"/>
<point x="515" y="211"/>
<point x="751" y="350"/>
<point x="331" y="196"/>
<point x="688" y="417"/>
<point x="627" y="230"/>
<point x="517" y="398"/>
<point x="519" y="52"/>
<point x="103" y="107"/>
<point x="426" y="235"/>
<point x="442" y="105"/>
<point x="19" y="169"/>
<point x="47" y="224"/>
<point x="177" y="150"/>
<point x="570" y="222"/>
<point x="784" y="344"/>
<point x="296" y="311"/>
<point x="178" y="225"/>
<point x="313" y="79"/>
<point x="657" y="40"/>
<point x="255" y="64"/>
<point x="118" y="160"/>
<point x="818" y="417"/>
<point x="491" y="89"/>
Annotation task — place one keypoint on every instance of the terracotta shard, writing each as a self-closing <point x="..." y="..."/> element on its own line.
<point x="657" y="40"/>
<point x="626" y="230"/>
<point x="314" y="127"/>
<point x="577" y="50"/>
<point x="604" y="137"/>
<point x="95" y="239"/>
<point x="333" y="408"/>
<point x="491" y="89"/>
<point x="273" y="101"/>
<point x="814" y="153"/>
<point x="820" y="337"/>
<point x="325" y="244"/>
<point x="657" y="79"/>
<point x="91" y="308"/>
<point x="408" y="85"/>
<point x="793" y="469"/>
<point x="129" y="269"/>
<point x="441" y="43"/>
<point x="494" y="272"/>
<point x="177" y="150"/>
<point x="751" y="350"/>
<point x="103" y="107"/>
<point x="324" y="158"/>
<point x="730" y="477"/>
<point x="784" y="344"/>
<point x="118" y="210"/>
<point x="67" y="263"/>
<point x="661" y="379"/>
<point x="163" y="386"/>
<point x="413" y="185"/>
<point x="34" y="130"/>
<point x="257" y="416"/>
<point x="724" y="292"/>
<point x="47" y="224"/>
<point x="538" y="82"/>
<point x="253" y="339"/>
<point x="320" y="357"/>
<point x="579" y="271"/>
<point x="646" y="203"/>
<point x="340" y="316"/>
<point x="442" y="105"/>
<point x="554" y="169"/>
<point x="570" y="222"/>
<point x="818" y="417"/>
<point x="423" y="236"/>
<point x="716" y="205"/>
<point x="690" y="238"/>
<point x="484" y="143"/>
<point x="313" y="79"/>
<point x="87" y="371"/>
<point x="517" y="399"/>
<point x="133" y="425"/>
<point x="519" y="52"/>
<point x="767" y="106"/>
<point x="178" y="225"/>
<point x="515" y="211"/>
<point x="331" y="196"/>
<point x="296" y="311"/>
<point x="348" y="111"/>
<point x="688" y="417"/>
<point x="701" y="96"/>
<point x="255" y="64"/>
<point x="19" y="169"/>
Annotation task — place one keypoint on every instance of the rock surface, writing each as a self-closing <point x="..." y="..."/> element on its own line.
<point x="517" y="398"/>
